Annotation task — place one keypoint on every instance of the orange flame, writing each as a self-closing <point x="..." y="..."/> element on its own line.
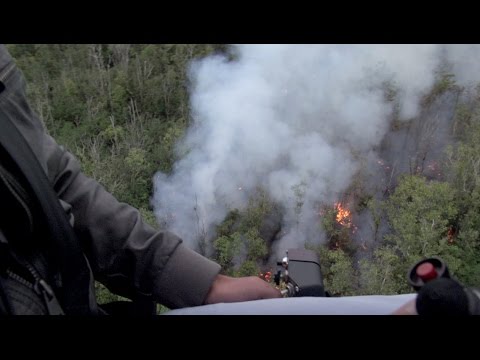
<point x="343" y="215"/>
<point x="451" y="235"/>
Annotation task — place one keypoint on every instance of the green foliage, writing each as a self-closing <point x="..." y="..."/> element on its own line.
<point x="100" y="101"/>
<point x="105" y="296"/>
<point x="462" y="120"/>
<point x="113" y="134"/>
<point x="164" y="152"/>
<point x="149" y="217"/>
<point x="161" y="309"/>
<point x="337" y="270"/>
<point x="420" y="213"/>
<point x="256" y="248"/>
<point x="226" y="248"/>
<point x="376" y="209"/>
<point x="464" y="169"/>
<point x="464" y="163"/>
<point x="227" y="226"/>
<point x="239" y="237"/>
<point x="445" y="82"/>
<point x="258" y="207"/>
<point x="248" y="268"/>
<point x="135" y="160"/>
<point x="384" y="274"/>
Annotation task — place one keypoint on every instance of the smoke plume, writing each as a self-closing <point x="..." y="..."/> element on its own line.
<point x="293" y="120"/>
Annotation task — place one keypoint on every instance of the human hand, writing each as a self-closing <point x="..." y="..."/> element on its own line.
<point x="229" y="289"/>
<point x="408" y="308"/>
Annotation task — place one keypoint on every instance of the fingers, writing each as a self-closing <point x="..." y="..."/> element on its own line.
<point x="229" y="289"/>
<point x="263" y="290"/>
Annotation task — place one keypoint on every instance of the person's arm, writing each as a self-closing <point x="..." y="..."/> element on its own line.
<point x="229" y="289"/>
<point x="126" y="253"/>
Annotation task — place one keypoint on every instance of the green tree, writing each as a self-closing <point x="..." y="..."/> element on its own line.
<point x="420" y="214"/>
<point x="383" y="274"/>
<point x="463" y="164"/>
<point x="337" y="269"/>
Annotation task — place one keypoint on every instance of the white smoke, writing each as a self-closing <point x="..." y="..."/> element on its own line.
<point x="464" y="60"/>
<point x="285" y="117"/>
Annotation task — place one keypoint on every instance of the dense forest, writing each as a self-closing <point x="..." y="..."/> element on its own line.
<point x="121" y="109"/>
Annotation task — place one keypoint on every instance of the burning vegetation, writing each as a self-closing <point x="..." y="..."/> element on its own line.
<point x="344" y="216"/>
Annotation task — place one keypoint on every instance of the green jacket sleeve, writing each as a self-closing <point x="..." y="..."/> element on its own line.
<point x="126" y="253"/>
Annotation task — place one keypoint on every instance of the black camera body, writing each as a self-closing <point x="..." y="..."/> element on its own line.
<point x="439" y="293"/>
<point x="300" y="271"/>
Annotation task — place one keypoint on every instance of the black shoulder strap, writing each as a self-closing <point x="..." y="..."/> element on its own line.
<point x="74" y="294"/>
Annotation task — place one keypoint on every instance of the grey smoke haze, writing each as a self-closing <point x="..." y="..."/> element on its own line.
<point x="464" y="62"/>
<point x="280" y="116"/>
